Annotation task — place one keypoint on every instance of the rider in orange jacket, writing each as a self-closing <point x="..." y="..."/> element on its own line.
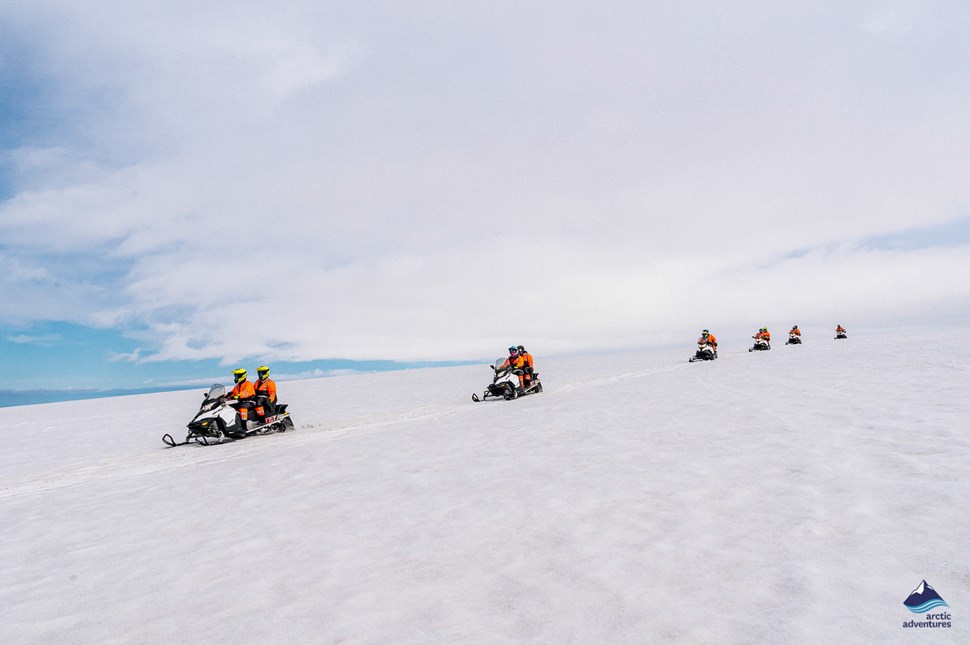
<point x="707" y="338"/>
<point x="243" y="392"/>
<point x="763" y="334"/>
<point x="528" y="367"/>
<point x="516" y="362"/>
<point x="265" y="392"/>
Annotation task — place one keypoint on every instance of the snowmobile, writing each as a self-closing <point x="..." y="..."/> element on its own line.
<point x="505" y="383"/>
<point x="760" y="344"/>
<point x="218" y="421"/>
<point x="840" y="334"/>
<point x="705" y="352"/>
<point x="794" y="339"/>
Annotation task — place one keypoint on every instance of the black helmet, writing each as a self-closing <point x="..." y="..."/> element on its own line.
<point x="521" y="349"/>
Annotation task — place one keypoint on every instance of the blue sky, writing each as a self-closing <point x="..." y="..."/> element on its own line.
<point x="182" y="191"/>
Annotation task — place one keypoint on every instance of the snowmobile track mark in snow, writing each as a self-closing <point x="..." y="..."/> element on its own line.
<point x="160" y="461"/>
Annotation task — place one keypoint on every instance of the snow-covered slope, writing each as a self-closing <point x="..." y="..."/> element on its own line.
<point x="796" y="495"/>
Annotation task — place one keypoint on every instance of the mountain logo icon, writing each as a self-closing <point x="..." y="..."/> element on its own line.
<point x="924" y="598"/>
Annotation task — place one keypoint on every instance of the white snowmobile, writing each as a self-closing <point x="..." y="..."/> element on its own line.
<point x="840" y="334"/>
<point x="705" y="352"/>
<point x="794" y="339"/>
<point x="760" y="344"/>
<point x="505" y="383"/>
<point x="218" y="421"/>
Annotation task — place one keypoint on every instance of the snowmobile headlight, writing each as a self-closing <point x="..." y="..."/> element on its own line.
<point x="205" y="423"/>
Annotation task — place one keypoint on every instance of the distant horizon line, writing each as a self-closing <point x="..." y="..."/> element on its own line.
<point x="18" y="397"/>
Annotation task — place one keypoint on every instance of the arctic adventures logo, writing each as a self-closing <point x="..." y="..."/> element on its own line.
<point x="924" y="599"/>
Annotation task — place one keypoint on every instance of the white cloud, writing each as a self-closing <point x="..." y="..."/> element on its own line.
<point x="25" y="339"/>
<point x="14" y="270"/>
<point x="426" y="181"/>
<point x="130" y="357"/>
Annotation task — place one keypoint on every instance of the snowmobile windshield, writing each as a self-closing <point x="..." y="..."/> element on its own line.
<point x="215" y="392"/>
<point x="498" y="363"/>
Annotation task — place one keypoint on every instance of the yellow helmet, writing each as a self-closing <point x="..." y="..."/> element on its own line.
<point x="239" y="375"/>
<point x="262" y="372"/>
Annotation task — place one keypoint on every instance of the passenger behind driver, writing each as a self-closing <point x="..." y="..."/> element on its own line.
<point x="528" y="368"/>
<point x="265" y="388"/>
